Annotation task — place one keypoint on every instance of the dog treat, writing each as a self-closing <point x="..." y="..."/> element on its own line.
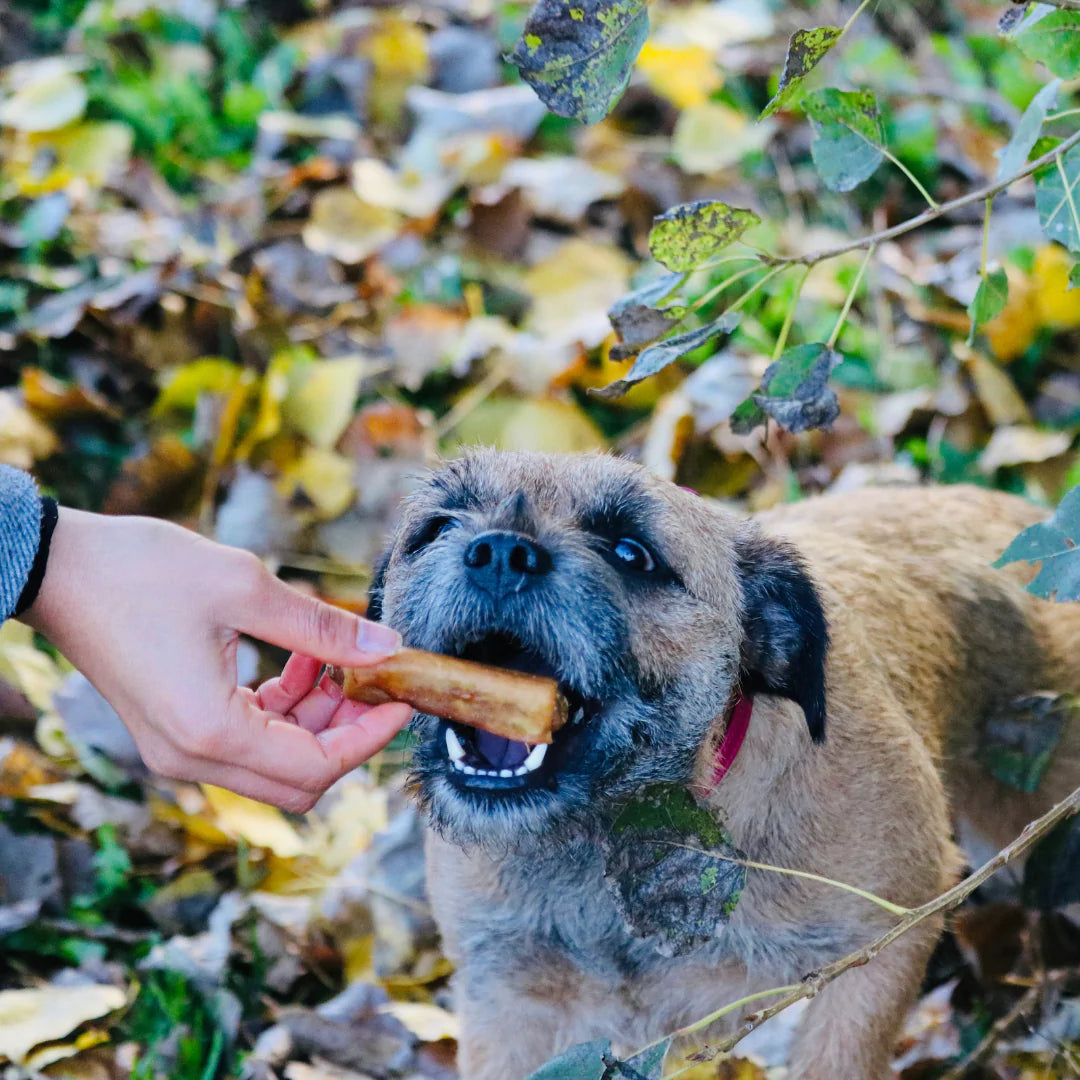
<point x="526" y="708"/>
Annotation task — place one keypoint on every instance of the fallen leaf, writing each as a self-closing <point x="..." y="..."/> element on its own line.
<point x="322" y="404"/>
<point x="539" y="424"/>
<point x="320" y="480"/>
<point x="344" y="226"/>
<point x="29" y="1018"/>
<point x="1019" y="444"/>
<point x="46" y="96"/>
<point x="1057" y="301"/>
<point x="684" y="74"/>
<point x="259" y="824"/>
<point x="428" y="1023"/>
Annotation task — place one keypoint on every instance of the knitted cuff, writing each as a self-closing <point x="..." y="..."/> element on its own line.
<point x="49" y="515"/>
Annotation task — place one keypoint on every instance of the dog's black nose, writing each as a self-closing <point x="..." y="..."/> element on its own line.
<point x="503" y="562"/>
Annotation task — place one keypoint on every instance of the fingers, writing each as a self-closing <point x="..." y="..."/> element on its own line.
<point x="315" y="710"/>
<point x="290" y="755"/>
<point x="273" y="611"/>
<point x="296" y="680"/>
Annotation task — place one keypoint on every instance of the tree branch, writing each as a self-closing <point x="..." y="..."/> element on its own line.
<point x="1066" y="5"/>
<point x="947" y="901"/>
<point x="934" y="212"/>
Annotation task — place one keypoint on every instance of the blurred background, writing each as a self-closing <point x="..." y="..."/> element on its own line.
<point x="262" y="263"/>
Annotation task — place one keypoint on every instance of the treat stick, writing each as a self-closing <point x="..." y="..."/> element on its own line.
<point x="528" y="708"/>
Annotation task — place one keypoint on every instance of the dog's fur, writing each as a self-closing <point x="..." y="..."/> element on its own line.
<point x="925" y="640"/>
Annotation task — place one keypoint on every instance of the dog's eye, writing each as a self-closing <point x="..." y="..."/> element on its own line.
<point x="630" y="554"/>
<point x="429" y="532"/>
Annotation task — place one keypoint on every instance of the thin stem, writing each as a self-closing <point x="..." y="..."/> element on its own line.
<point x="986" y="236"/>
<point x="930" y="200"/>
<point x="1067" y="5"/>
<point x="1069" y="195"/>
<point x="834" y="337"/>
<point x="930" y="213"/>
<point x="789" y="318"/>
<point x="1064" y="114"/>
<point x="854" y="15"/>
<point x="716" y="290"/>
<point x="705" y="1021"/>
<point x="754" y="288"/>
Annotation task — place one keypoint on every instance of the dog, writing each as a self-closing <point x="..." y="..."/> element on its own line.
<point x="817" y="676"/>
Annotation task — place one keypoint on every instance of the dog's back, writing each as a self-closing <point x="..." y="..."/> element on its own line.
<point x="910" y="571"/>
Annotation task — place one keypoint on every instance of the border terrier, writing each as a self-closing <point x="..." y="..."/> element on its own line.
<point x="818" y="675"/>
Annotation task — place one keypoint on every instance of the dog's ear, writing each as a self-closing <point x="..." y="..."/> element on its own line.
<point x="785" y="635"/>
<point x="375" y="589"/>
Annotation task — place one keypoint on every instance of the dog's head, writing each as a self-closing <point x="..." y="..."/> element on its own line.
<point x="651" y="607"/>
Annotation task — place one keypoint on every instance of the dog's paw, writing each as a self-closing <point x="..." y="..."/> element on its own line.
<point x="668" y="867"/>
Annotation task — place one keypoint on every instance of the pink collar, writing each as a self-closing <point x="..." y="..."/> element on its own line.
<point x="731" y="743"/>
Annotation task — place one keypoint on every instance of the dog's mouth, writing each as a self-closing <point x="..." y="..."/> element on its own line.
<point x="482" y="762"/>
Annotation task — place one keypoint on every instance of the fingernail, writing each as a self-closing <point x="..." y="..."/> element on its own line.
<point x="374" y="637"/>
<point x="329" y="687"/>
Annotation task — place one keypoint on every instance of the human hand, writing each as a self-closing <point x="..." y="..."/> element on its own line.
<point x="152" y="614"/>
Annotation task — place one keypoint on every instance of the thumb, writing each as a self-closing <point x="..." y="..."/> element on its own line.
<point x="277" y="613"/>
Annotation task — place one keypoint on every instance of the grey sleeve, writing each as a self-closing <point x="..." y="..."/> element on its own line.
<point x="20" y="534"/>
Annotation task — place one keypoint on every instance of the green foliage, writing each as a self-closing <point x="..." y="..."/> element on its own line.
<point x="1053" y="544"/>
<point x="794" y="392"/>
<point x="582" y="1062"/>
<point x="690" y="235"/>
<point x="1055" y="40"/>
<point x="990" y="298"/>
<point x="1015" y="153"/>
<point x="1018" y="741"/>
<point x="848" y="136"/>
<point x="805" y="51"/>
<point x="1057" y="201"/>
<point x="578" y="54"/>
<point x="663" y="353"/>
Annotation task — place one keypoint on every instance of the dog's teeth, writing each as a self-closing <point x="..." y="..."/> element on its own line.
<point x="468" y="769"/>
<point x="520" y="770"/>
<point x="535" y="759"/>
<point x="506" y="772"/>
<point x="454" y="747"/>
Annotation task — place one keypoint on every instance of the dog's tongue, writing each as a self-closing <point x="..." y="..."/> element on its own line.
<point x="500" y="753"/>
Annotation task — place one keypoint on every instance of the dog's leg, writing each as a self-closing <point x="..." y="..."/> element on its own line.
<point x="851" y="1028"/>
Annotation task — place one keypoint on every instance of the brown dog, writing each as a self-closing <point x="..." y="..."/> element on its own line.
<point x="868" y="639"/>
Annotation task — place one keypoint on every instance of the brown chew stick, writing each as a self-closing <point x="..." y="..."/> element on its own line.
<point x="527" y="708"/>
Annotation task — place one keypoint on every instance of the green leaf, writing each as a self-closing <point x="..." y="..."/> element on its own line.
<point x="990" y="298"/>
<point x="578" y="55"/>
<point x="848" y="136"/>
<point x="1057" y="201"/>
<point x="648" y="1064"/>
<point x="1055" y="40"/>
<point x="1074" y="277"/>
<point x="1018" y="740"/>
<point x="805" y="50"/>
<point x="582" y="1062"/>
<point x="794" y="391"/>
<point x="657" y="357"/>
<point x="1013" y="155"/>
<point x="1053" y="543"/>
<point x="670" y="868"/>
<point x="637" y="321"/>
<point x="686" y="237"/>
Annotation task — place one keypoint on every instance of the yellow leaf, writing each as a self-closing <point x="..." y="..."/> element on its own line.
<point x="398" y="48"/>
<point x="344" y="226"/>
<point x="1059" y="306"/>
<point x="49" y="98"/>
<point x="323" y="478"/>
<point x="31" y="1017"/>
<point x="428" y="1023"/>
<point x="712" y="136"/>
<point x="259" y="824"/>
<point x="1019" y="445"/>
<point x="27" y="668"/>
<point x="995" y="390"/>
<point x="183" y="386"/>
<point x="272" y="392"/>
<point x="1015" y="328"/>
<point x="684" y="74"/>
<point x="322" y="404"/>
<point x="357" y="955"/>
<point x="542" y="424"/>
<point x="88" y="152"/>
<point x="23" y="438"/>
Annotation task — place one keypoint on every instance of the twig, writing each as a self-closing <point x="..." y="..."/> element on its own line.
<point x="999" y="1027"/>
<point x="931" y="213"/>
<point x="815" y="982"/>
<point x="835" y="335"/>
